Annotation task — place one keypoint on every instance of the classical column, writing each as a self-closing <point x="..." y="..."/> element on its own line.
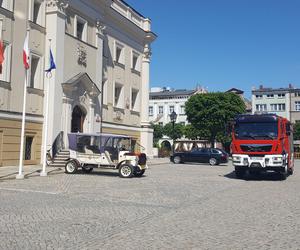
<point x="146" y="131"/>
<point x="55" y="26"/>
<point x="145" y="86"/>
<point x="67" y="117"/>
<point x="100" y="26"/>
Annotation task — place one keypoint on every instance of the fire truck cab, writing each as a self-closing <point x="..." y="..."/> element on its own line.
<point x="262" y="142"/>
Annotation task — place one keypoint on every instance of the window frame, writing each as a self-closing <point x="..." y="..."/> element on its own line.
<point x="79" y="19"/>
<point x="41" y="16"/>
<point x="136" y="105"/>
<point x="121" y="59"/>
<point x="137" y="66"/>
<point x="297" y="105"/>
<point x="39" y="70"/>
<point x="150" y="113"/>
<point x="9" y="4"/>
<point x="120" y="103"/>
<point x="6" y="67"/>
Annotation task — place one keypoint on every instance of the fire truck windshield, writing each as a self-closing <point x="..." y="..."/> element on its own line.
<point x="256" y="130"/>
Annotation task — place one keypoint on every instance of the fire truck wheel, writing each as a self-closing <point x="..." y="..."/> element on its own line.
<point x="213" y="161"/>
<point x="283" y="175"/>
<point x="126" y="171"/>
<point x="239" y="173"/>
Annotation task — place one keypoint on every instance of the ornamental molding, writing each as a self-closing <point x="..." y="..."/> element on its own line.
<point x="147" y="51"/>
<point x="100" y="26"/>
<point x="82" y="55"/>
<point x="59" y="4"/>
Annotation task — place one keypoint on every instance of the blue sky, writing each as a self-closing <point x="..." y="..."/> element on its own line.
<point x="222" y="44"/>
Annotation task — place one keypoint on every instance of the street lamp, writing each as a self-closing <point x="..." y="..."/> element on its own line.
<point x="173" y="117"/>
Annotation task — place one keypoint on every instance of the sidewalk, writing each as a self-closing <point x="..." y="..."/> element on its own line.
<point x="158" y="161"/>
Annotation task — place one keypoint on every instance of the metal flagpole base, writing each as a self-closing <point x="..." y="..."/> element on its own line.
<point x="43" y="174"/>
<point x="20" y="177"/>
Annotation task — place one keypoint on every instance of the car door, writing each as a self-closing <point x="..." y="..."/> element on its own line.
<point x="204" y="155"/>
<point x="193" y="156"/>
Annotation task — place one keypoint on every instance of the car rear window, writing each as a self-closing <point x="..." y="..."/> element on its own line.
<point x="215" y="151"/>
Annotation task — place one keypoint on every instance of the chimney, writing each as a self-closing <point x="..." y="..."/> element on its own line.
<point x="290" y="86"/>
<point x="261" y="86"/>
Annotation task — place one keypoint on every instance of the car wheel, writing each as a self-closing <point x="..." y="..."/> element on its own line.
<point x="126" y="171"/>
<point x="213" y="161"/>
<point x="139" y="173"/>
<point x="71" y="167"/>
<point x="177" y="159"/>
<point x="87" y="169"/>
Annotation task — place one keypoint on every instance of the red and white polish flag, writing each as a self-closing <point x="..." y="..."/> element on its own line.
<point x="26" y="53"/>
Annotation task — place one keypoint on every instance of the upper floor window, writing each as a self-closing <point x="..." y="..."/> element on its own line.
<point x="6" y="4"/>
<point x="36" y="12"/>
<point x="35" y="77"/>
<point x="134" y="99"/>
<point x="297" y="106"/>
<point x="297" y="93"/>
<point x="160" y="109"/>
<point x="261" y="107"/>
<point x="258" y="96"/>
<point x="135" y="64"/>
<point x="150" y="111"/>
<point x="80" y="28"/>
<point x="171" y="109"/>
<point x="278" y="107"/>
<point x="281" y="95"/>
<point x="270" y="95"/>
<point x="119" y="53"/>
<point x="5" y="74"/>
<point x="118" y="96"/>
<point x="182" y="110"/>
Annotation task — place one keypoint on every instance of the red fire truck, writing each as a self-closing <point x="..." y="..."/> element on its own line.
<point x="262" y="142"/>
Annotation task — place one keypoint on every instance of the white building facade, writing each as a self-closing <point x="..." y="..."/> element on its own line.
<point x="102" y="51"/>
<point x="163" y="101"/>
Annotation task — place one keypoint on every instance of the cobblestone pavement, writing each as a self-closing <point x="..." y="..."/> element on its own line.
<point x="186" y="206"/>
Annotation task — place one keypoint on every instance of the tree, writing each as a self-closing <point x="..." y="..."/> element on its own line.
<point x="157" y="133"/>
<point x="212" y="111"/>
<point x="297" y="131"/>
<point x="193" y="133"/>
<point x="177" y="133"/>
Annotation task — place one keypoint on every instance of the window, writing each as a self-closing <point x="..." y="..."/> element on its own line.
<point x="104" y="92"/>
<point x="297" y="93"/>
<point x="5" y="76"/>
<point x="160" y="109"/>
<point x="297" y="106"/>
<point x="281" y="95"/>
<point x="80" y="28"/>
<point x="278" y="107"/>
<point x="6" y="4"/>
<point x="270" y="95"/>
<point x="261" y="107"/>
<point x="28" y="148"/>
<point x="35" y="72"/>
<point x="134" y="99"/>
<point x="182" y="110"/>
<point x="160" y="123"/>
<point x="171" y="109"/>
<point x="150" y="111"/>
<point x="119" y="96"/>
<point x="37" y="12"/>
<point x="258" y="96"/>
<point x="119" y="53"/>
<point x="135" y="61"/>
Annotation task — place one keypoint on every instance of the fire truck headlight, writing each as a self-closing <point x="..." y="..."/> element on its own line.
<point x="237" y="158"/>
<point x="245" y="161"/>
<point x="267" y="161"/>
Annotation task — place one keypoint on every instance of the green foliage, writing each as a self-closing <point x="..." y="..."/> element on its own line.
<point x="176" y="133"/>
<point x="194" y="133"/>
<point x="213" y="111"/>
<point x="297" y="131"/>
<point x="157" y="133"/>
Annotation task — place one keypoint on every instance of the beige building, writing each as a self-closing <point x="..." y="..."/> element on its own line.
<point x="102" y="53"/>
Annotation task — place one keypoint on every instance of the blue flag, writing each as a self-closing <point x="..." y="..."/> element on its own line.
<point x="51" y="63"/>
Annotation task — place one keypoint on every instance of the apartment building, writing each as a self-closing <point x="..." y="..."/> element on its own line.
<point x="102" y="51"/>
<point x="163" y="101"/>
<point x="269" y="100"/>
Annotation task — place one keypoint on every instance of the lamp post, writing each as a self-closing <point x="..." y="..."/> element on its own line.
<point x="173" y="117"/>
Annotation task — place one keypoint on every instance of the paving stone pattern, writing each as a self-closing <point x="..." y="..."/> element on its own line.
<point x="185" y="206"/>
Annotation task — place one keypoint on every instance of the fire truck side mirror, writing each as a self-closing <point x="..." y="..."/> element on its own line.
<point x="288" y="129"/>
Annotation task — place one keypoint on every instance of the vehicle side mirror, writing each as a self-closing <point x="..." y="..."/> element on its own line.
<point x="288" y="129"/>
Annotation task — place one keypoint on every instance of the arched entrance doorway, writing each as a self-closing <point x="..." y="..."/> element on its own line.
<point x="78" y="116"/>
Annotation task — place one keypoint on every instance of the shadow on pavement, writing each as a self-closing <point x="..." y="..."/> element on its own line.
<point x="267" y="176"/>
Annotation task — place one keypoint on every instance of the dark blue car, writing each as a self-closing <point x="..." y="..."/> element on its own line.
<point x="213" y="156"/>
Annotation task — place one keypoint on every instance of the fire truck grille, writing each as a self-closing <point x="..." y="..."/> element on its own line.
<point x="256" y="148"/>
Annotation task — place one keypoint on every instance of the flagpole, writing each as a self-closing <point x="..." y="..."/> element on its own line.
<point x="20" y="174"/>
<point x="44" y="173"/>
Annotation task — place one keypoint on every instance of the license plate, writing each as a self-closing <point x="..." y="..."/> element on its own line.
<point x="257" y="158"/>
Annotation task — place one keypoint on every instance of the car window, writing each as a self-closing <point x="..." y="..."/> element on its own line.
<point x="204" y="150"/>
<point x="215" y="151"/>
